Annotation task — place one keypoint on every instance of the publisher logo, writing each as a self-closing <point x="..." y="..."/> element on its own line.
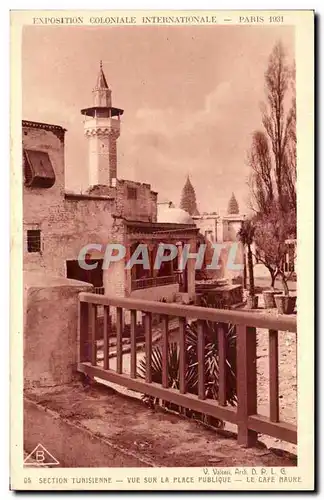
<point x="40" y="457"/>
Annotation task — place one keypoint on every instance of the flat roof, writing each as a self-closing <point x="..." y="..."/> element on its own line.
<point x="156" y="226"/>
<point x="80" y="196"/>
<point x="46" y="126"/>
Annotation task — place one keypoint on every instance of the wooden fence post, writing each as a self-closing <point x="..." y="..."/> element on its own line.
<point x="246" y="383"/>
<point x="84" y="341"/>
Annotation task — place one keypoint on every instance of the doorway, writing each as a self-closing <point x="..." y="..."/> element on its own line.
<point x="76" y="272"/>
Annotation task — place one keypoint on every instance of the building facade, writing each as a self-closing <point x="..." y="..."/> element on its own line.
<point x="218" y="229"/>
<point x="58" y="224"/>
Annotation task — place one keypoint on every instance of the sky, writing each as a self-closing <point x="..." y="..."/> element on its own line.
<point x="191" y="97"/>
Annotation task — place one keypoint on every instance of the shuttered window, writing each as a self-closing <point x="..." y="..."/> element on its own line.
<point x="38" y="169"/>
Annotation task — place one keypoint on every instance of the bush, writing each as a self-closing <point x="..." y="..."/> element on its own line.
<point x="211" y="366"/>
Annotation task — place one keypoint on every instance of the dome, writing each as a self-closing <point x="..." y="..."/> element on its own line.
<point x="173" y="215"/>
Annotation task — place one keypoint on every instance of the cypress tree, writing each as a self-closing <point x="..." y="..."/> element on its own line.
<point x="188" y="198"/>
<point x="233" y="207"/>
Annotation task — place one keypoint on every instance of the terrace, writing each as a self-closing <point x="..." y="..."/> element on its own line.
<point x="87" y="407"/>
<point x="249" y="422"/>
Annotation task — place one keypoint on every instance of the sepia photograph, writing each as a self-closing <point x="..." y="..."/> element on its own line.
<point x="159" y="248"/>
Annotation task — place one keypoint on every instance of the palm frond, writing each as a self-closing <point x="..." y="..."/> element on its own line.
<point x="211" y="362"/>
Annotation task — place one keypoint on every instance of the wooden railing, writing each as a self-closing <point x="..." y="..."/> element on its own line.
<point x="244" y="415"/>
<point x="153" y="282"/>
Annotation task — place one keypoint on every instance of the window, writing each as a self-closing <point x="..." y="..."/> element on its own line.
<point x="38" y="169"/>
<point x="33" y="240"/>
<point x="131" y="193"/>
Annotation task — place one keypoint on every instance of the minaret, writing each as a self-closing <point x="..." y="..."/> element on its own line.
<point x="102" y="129"/>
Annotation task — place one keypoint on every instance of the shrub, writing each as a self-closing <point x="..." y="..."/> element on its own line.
<point x="211" y="367"/>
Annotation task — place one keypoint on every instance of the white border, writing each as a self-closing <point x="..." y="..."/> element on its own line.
<point x="4" y="199"/>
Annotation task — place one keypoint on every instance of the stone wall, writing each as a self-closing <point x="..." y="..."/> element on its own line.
<point x="38" y="203"/>
<point x="50" y="329"/>
<point x="114" y="279"/>
<point x="235" y="249"/>
<point x="210" y="227"/>
<point x="65" y="229"/>
<point x="227" y="250"/>
<point x="166" y="292"/>
<point x="143" y="208"/>
<point x="67" y="223"/>
<point x="232" y="230"/>
<point x="51" y="142"/>
<point x="70" y="221"/>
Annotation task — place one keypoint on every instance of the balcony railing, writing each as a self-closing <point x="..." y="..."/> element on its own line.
<point x="153" y="282"/>
<point x="244" y="415"/>
<point x="99" y="290"/>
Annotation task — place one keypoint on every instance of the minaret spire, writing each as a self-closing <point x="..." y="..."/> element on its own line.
<point x="101" y="80"/>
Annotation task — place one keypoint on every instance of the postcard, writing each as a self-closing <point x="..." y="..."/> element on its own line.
<point x="162" y="173"/>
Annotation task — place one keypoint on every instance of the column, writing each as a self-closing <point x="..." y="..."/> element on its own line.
<point x="191" y="272"/>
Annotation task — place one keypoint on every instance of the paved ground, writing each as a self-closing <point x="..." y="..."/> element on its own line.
<point x="265" y="282"/>
<point x="262" y="279"/>
<point x="287" y="366"/>
<point x="161" y="439"/>
<point x="287" y="382"/>
<point x="287" y="379"/>
<point x="287" y="363"/>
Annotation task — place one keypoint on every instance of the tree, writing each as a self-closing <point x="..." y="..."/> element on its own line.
<point x="272" y="158"/>
<point x="271" y="232"/>
<point x="290" y="158"/>
<point x="261" y="182"/>
<point x="276" y="121"/>
<point x="246" y="235"/>
<point x="233" y="207"/>
<point x="188" y="198"/>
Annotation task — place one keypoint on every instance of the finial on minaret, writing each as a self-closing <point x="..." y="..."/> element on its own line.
<point x="101" y="80"/>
